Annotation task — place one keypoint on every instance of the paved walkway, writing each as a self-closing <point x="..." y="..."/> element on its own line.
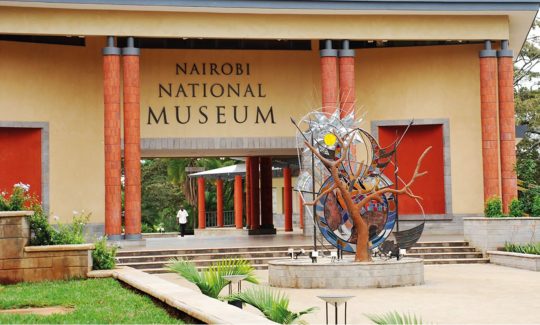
<point x="243" y="240"/>
<point x="452" y="294"/>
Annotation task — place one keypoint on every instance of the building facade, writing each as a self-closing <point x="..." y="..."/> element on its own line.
<point x="84" y="84"/>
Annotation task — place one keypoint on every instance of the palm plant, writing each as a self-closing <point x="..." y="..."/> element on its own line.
<point x="210" y="281"/>
<point x="394" y="317"/>
<point x="273" y="304"/>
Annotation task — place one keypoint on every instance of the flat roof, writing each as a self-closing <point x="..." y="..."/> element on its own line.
<point x="421" y="5"/>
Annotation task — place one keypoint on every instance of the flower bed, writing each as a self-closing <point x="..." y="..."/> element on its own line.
<point x="20" y="262"/>
<point x="517" y="260"/>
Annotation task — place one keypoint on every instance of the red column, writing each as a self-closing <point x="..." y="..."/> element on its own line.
<point x="112" y="138"/>
<point x="249" y="189"/>
<point x="254" y="195"/>
<point x="201" y="202"/>
<point x="347" y="92"/>
<point x="238" y="201"/>
<point x="301" y="209"/>
<point x="287" y="198"/>
<point x="267" y="213"/>
<point x="132" y="138"/>
<point x="507" y="125"/>
<point x="219" y="200"/>
<point x="488" y="109"/>
<point x="329" y="78"/>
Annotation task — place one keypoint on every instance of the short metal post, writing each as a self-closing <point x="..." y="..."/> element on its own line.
<point x="345" y="313"/>
<point x="326" y="313"/>
<point x="335" y="307"/>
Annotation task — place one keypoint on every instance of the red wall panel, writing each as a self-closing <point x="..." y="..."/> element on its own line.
<point x="431" y="186"/>
<point x="20" y="158"/>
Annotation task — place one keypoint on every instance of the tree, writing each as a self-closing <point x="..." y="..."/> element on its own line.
<point x="527" y="104"/>
<point x="344" y="190"/>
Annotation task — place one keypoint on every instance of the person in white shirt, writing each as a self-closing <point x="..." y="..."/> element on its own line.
<point x="182" y="216"/>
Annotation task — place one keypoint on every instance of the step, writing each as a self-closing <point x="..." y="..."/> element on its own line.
<point x="183" y="251"/>
<point x="457" y="261"/>
<point x="441" y="249"/>
<point x="441" y="244"/>
<point x="152" y="265"/>
<point x="164" y="270"/>
<point x="195" y="257"/>
<point x="453" y="255"/>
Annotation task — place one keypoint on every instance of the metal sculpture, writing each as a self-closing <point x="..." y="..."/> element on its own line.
<point x="342" y="166"/>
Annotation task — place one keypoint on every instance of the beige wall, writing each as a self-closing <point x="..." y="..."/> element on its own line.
<point x="62" y="85"/>
<point x="430" y="83"/>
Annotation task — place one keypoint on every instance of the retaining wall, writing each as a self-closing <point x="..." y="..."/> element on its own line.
<point x="20" y="262"/>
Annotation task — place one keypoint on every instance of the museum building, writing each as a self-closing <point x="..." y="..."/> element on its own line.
<point x="85" y="85"/>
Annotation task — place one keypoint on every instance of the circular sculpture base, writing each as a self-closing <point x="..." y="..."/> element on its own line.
<point x="345" y="274"/>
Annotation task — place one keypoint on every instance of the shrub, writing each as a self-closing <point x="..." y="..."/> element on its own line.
<point x="515" y="208"/>
<point x="273" y="304"/>
<point x="394" y="317"/>
<point x="531" y="248"/>
<point x="493" y="208"/>
<point x="72" y="233"/>
<point x="103" y="256"/>
<point x="211" y="281"/>
<point x="535" y="209"/>
<point x="18" y="200"/>
<point x="42" y="232"/>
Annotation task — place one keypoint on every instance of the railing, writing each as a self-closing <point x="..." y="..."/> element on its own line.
<point x="211" y="219"/>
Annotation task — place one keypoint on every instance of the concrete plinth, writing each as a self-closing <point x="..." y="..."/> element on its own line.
<point x="225" y="231"/>
<point x="345" y="274"/>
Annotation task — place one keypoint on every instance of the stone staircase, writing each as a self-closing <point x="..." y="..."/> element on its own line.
<point x="154" y="261"/>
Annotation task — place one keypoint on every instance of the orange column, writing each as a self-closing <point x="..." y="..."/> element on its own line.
<point x="238" y="201"/>
<point x="507" y="125"/>
<point x="219" y="200"/>
<point x="249" y="211"/>
<point x="488" y="109"/>
<point x="201" y="203"/>
<point x="132" y="138"/>
<point x="347" y="93"/>
<point x="255" y="194"/>
<point x="329" y="78"/>
<point x="112" y="138"/>
<point x="287" y="198"/>
<point x="267" y="213"/>
<point x="301" y="209"/>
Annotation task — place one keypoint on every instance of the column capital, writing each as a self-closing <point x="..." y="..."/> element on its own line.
<point x="110" y="49"/>
<point x="505" y="52"/>
<point x="346" y="51"/>
<point x="328" y="51"/>
<point x="488" y="52"/>
<point x="130" y="49"/>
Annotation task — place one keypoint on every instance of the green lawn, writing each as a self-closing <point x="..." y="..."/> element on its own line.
<point x="96" y="301"/>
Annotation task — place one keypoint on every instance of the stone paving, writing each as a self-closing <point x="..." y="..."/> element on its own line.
<point x="452" y="294"/>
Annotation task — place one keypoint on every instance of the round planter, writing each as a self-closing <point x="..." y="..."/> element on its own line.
<point x="345" y="274"/>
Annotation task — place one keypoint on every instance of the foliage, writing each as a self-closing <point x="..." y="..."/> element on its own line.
<point x="103" y="256"/>
<point x="42" y="232"/>
<point x="531" y="248"/>
<point x="273" y="304"/>
<point x="95" y="301"/>
<point x="72" y="233"/>
<point x="535" y="208"/>
<point x="160" y="198"/>
<point x="515" y="208"/>
<point x="493" y="208"/>
<point x="210" y="281"/>
<point x="394" y="317"/>
<point x="528" y="198"/>
<point x="19" y="200"/>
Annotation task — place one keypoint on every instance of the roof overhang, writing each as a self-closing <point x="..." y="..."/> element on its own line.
<point x="521" y="14"/>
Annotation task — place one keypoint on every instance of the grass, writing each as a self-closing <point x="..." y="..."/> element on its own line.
<point x="531" y="248"/>
<point x="96" y="301"/>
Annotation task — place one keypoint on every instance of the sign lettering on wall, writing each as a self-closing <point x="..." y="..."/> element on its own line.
<point x="225" y="86"/>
